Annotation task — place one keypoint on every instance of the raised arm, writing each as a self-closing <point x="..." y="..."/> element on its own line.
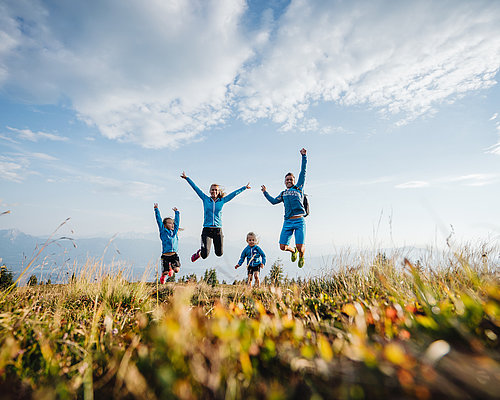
<point x="302" y="175"/>
<point x="198" y="191"/>
<point x="232" y="195"/>
<point x="177" y="220"/>
<point x="159" y="221"/>
<point x="271" y="199"/>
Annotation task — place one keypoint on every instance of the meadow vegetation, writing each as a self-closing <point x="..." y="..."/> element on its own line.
<point x="371" y="329"/>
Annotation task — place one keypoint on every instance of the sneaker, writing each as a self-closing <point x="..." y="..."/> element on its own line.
<point x="170" y="272"/>
<point x="195" y="256"/>
<point x="301" y="262"/>
<point x="162" y="279"/>
<point x="294" y="255"/>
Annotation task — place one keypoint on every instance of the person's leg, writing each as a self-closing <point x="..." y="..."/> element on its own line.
<point x="300" y="234"/>
<point x="257" y="280"/>
<point x="285" y="236"/>
<point x="286" y="247"/>
<point x="165" y="262"/>
<point x="218" y="241"/>
<point x="176" y="265"/>
<point x="249" y="279"/>
<point x="206" y="242"/>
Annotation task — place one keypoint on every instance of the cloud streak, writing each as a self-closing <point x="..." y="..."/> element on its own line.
<point x="160" y="73"/>
<point x="14" y="170"/>
<point x="16" y="167"/>
<point x="120" y="187"/>
<point x="28" y="134"/>
<point x="412" y="185"/>
<point x="476" y="179"/>
<point x="463" y="180"/>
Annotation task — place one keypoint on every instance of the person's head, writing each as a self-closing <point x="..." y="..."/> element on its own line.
<point x="216" y="191"/>
<point x="252" y="239"/>
<point x="289" y="180"/>
<point x="168" y="223"/>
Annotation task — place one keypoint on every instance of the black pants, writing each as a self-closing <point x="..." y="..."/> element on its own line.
<point x="209" y="234"/>
<point x="171" y="261"/>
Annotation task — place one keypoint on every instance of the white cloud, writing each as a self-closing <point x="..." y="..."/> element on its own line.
<point x="412" y="185"/>
<point x="42" y="156"/>
<point x="119" y="187"/>
<point x="156" y="73"/>
<point x="14" y="170"/>
<point x="465" y="180"/>
<point x="494" y="116"/>
<point x="330" y="130"/>
<point x="16" y="167"/>
<point x="36" y="136"/>
<point x="376" y="181"/>
<point x="403" y="59"/>
<point x="476" y="179"/>
<point x="495" y="149"/>
<point x="159" y="73"/>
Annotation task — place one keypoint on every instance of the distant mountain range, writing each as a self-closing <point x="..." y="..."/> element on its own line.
<point x="138" y="256"/>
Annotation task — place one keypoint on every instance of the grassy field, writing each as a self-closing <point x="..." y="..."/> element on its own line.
<point x="376" y="330"/>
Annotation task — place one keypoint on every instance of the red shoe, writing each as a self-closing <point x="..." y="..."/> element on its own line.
<point x="162" y="279"/>
<point x="170" y="272"/>
<point x="195" y="256"/>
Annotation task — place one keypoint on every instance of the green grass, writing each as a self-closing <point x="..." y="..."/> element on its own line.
<point x="375" y="330"/>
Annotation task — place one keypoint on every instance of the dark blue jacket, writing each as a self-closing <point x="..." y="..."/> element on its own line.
<point x="293" y="198"/>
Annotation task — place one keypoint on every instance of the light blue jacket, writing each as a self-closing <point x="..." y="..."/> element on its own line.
<point x="212" y="209"/>
<point x="169" y="240"/>
<point x="255" y="252"/>
<point x="293" y="198"/>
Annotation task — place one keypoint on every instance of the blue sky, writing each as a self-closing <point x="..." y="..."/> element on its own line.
<point x="103" y="104"/>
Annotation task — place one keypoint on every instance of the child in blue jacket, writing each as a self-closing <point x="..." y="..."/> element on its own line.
<point x="168" y="234"/>
<point x="256" y="259"/>
<point x="212" y="222"/>
<point x="293" y="200"/>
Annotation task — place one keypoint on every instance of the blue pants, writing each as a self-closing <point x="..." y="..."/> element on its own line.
<point x="295" y="226"/>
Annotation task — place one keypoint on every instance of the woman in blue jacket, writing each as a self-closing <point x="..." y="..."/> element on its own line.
<point x="212" y="221"/>
<point x="293" y="200"/>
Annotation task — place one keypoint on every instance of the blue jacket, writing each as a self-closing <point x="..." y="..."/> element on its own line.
<point x="213" y="209"/>
<point x="293" y="198"/>
<point x="169" y="240"/>
<point x="255" y="252"/>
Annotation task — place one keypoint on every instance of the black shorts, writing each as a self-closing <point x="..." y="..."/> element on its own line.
<point x="171" y="261"/>
<point x="252" y="269"/>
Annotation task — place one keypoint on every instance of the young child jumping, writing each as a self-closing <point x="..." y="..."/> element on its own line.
<point x="293" y="200"/>
<point x="168" y="234"/>
<point x="256" y="259"/>
<point x="212" y="223"/>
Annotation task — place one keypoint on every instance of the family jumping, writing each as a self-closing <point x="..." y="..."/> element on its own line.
<point x="294" y="225"/>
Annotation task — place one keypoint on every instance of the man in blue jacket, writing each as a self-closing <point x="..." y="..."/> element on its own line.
<point x="293" y="200"/>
